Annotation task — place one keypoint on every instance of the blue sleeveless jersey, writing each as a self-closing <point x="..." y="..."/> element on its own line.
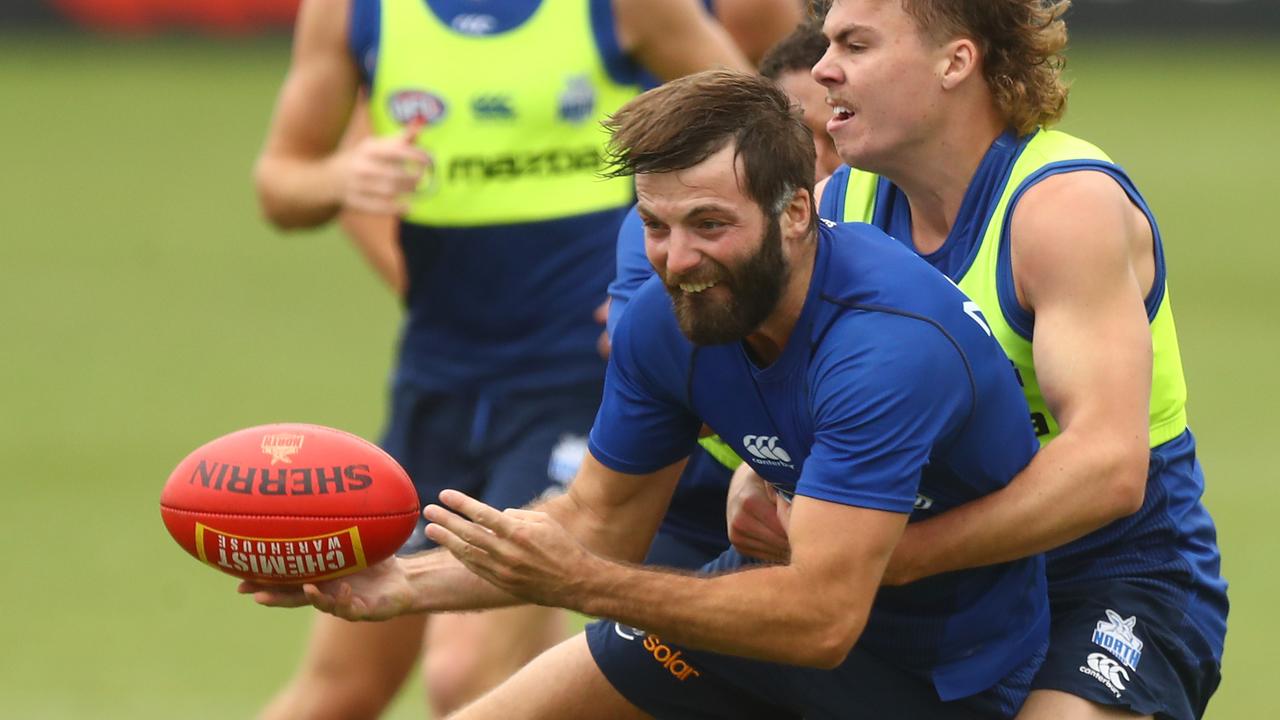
<point x="506" y="308"/>
<point x="1171" y="540"/>
<point x="889" y="395"/>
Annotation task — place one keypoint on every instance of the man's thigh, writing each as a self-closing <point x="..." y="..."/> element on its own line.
<point x="561" y="684"/>
<point x="1127" y="646"/>
<point x="1056" y="705"/>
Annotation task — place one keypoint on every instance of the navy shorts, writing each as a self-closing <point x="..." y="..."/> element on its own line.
<point x="505" y="450"/>
<point x="674" y="549"/>
<point x="673" y="682"/>
<point x="1128" y="644"/>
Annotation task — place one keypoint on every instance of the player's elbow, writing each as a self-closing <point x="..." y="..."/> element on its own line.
<point x="274" y="203"/>
<point x="831" y="642"/>
<point x="1125" y="470"/>
<point x="269" y="204"/>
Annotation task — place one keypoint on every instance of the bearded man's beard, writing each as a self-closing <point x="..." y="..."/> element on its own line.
<point x="754" y="286"/>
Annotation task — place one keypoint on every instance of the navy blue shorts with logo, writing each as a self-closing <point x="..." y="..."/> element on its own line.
<point x="1128" y="644"/>
<point x="505" y="450"/>
<point x="672" y="682"/>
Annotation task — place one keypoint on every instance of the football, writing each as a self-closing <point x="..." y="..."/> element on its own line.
<point x="289" y="503"/>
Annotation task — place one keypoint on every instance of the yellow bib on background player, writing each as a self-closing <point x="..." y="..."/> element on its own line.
<point x="981" y="281"/>
<point x="511" y="119"/>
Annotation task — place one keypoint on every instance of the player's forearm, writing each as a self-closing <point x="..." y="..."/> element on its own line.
<point x="375" y="237"/>
<point x="295" y="193"/>
<point x="1072" y="487"/>
<point x="768" y="612"/>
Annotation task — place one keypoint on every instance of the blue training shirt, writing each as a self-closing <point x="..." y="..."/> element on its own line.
<point x="502" y="308"/>
<point x="887" y="396"/>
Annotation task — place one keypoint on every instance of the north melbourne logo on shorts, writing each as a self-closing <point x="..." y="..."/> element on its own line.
<point x="1106" y="671"/>
<point x="1116" y="635"/>
<point x="765" y="448"/>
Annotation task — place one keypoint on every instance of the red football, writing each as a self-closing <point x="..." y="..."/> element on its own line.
<point x="289" y="503"/>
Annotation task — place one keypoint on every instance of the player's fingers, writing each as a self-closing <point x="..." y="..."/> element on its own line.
<point x="469" y="532"/>
<point x="395" y="153"/>
<point x="280" y="597"/>
<point x="760" y="552"/>
<point x="375" y="204"/>
<point x="319" y="599"/>
<point x="480" y="513"/>
<point x="411" y="131"/>
<point x="387" y="184"/>
<point x="474" y="559"/>
<point x="524" y="515"/>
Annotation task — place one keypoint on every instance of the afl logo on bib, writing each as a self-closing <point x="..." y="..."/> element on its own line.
<point x="407" y="106"/>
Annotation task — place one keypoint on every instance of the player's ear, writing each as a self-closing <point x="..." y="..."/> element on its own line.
<point x="798" y="213"/>
<point x="959" y="60"/>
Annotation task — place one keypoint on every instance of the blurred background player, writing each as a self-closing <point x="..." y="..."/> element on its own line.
<point x="486" y="144"/>
<point x="941" y="106"/>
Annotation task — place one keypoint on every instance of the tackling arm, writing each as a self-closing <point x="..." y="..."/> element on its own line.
<point x="809" y="612"/>
<point x="1078" y="257"/>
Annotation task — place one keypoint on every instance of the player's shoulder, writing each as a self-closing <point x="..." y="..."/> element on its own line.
<point x="867" y="268"/>
<point x="882" y="303"/>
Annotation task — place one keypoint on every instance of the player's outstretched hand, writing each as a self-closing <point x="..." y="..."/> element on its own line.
<point x="381" y="173"/>
<point x="526" y="553"/>
<point x="757" y="517"/>
<point x="380" y="592"/>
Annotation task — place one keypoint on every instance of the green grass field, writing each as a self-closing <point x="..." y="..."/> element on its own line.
<point x="145" y="308"/>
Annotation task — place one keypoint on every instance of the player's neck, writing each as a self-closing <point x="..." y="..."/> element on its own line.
<point x="936" y="176"/>
<point x="766" y="344"/>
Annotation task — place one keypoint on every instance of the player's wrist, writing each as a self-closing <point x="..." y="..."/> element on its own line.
<point x="597" y="588"/>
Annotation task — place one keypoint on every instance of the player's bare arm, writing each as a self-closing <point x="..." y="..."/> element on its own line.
<point x="301" y="177"/>
<point x="610" y="514"/>
<point x="757" y="25"/>
<point x="809" y="612"/>
<point x="1082" y="264"/>
<point x="673" y="38"/>
<point x="373" y="234"/>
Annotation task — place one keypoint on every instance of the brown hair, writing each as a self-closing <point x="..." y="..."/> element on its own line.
<point x="799" y="51"/>
<point x="678" y="125"/>
<point x="1021" y="42"/>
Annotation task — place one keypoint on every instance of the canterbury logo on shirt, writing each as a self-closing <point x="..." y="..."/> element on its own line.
<point x="765" y="447"/>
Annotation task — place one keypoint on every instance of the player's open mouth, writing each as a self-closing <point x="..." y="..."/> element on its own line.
<point x="839" y="116"/>
<point x="696" y="287"/>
